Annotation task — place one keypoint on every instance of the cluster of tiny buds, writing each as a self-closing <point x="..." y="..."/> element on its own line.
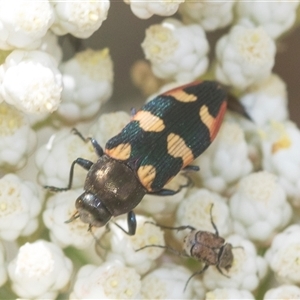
<point x="157" y="215"/>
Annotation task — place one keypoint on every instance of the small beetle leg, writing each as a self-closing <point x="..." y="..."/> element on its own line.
<point x="98" y="149"/>
<point x="212" y="221"/>
<point x="196" y="273"/>
<point x="191" y="168"/>
<point x="84" y="163"/>
<point x="179" y="253"/>
<point x="172" y="228"/>
<point x="131" y="221"/>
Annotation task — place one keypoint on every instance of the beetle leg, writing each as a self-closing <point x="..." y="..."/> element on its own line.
<point x="172" y="228"/>
<point x="131" y="222"/>
<point x="98" y="149"/>
<point x="174" y="251"/>
<point x="191" y="168"/>
<point x="212" y="221"/>
<point x="220" y="270"/>
<point x="168" y="192"/>
<point x="196" y="273"/>
<point x="86" y="164"/>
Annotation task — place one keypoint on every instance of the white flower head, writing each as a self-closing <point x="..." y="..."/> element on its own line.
<point x="18" y="140"/>
<point x="79" y="18"/>
<point x="24" y="23"/>
<point x="108" y="125"/>
<point x="228" y="294"/>
<point x="123" y="247"/>
<point x="20" y="204"/>
<point x="195" y="211"/>
<point x="54" y="159"/>
<point x="209" y="14"/>
<point x="259" y="207"/>
<point x="31" y="81"/>
<point x="226" y="160"/>
<point x="276" y="17"/>
<point x="167" y="282"/>
<point x="285" y="291"/>
<point x="247" y="270"/>
<point x="87" y="80"/>
<point x="111" y="280"/>
<point x="244" y="56"/>
<point x="61" y="208"/>
<point x="266" y="100"/>
<point x="283" y="255"/>
<point x="40" y="270"/>
<point x="280" y="143"/>
<point x="146" y="9"/>
<point x="176" y="51"/>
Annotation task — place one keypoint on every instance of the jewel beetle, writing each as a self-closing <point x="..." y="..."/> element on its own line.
<point x="161" y="139"/>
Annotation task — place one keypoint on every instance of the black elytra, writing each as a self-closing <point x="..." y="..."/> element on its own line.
<point x="161" y="139"/>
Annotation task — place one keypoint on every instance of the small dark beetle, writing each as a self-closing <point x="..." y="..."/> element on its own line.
<point x="162" y="139"/>
<point x="204" y="246"/>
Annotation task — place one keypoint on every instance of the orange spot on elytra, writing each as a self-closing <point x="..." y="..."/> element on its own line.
<point x="178" y="148"/>
<point x="148" y="121"/>
<point x="121" y="152"/>
<point x="146" y="176"/>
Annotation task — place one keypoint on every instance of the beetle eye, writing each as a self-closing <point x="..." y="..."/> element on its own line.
<point x="91" y="210"/>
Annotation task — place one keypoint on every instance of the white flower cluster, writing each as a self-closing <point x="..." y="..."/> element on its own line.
<point x="176" y="51"/>
<point x="245" y="198"/>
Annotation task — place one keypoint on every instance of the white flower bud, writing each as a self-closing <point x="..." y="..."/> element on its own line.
<point x="266" y="100"/>
<point x="87" y="80"/>
<point x="167" y="282"/>
<point x="244" y="56"/>
<point x="209" y="14"/>
<point x="31" y="81"/>
<point x="146" y="9"/>
<point x="276" y="17"/>
<point x="23" y="23"/>
<point x="259" y="207"/>
<point x="40" y="270"/>
<point x="111" y="280"/>
<point x="20" y="204"/>
<point x="18" y="140"/>
<point x="287" y="292"/>
<point x="176" y="51"/>
<point x="283" y="255"/>
<point x="280" y="143"/>
<point x="79" y="18"/>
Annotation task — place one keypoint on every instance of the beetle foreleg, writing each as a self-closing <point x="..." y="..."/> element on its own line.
<point x="86" y="164"/>
<point x="131" y="222"/>
<point x="98" y="149"/>
<point x="191" y="168"/>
